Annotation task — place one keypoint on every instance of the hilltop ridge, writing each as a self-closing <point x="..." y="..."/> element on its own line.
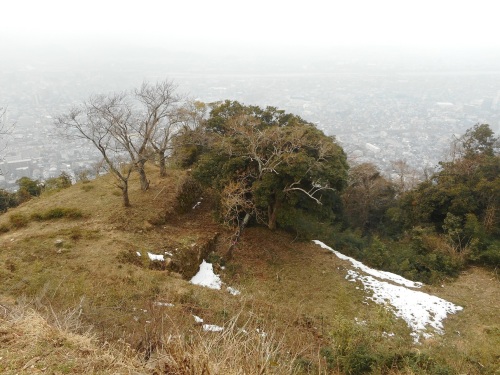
<point x="295" y="303"/>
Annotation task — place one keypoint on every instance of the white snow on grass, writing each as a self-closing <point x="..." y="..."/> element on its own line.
<point x="208" y="327"/>
<point x="212" y="328"/>
<point x="156" y="257"/>
<point x="424" y="313"/>
<point x="419" y="310"/>
<point x="206" y="277"/>
<point x="380" y="274"/>
<point x="233" y="291"/>
<point x="261" y="333"/>
<point x="164" y="304"/>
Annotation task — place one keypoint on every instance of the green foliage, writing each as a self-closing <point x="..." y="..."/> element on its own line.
<point x="84" y="175"/>
<point x="58" y="183"/>
<point x="461" y="202"/>
<point x="285" y="173"/>
<point x="479" y="139"/>
<point x="420" y="255"/>
<point x="270" y="165"/>
<point x="28" y="188"/>
<point x="378" y="254"/>
<point x="7" y="200"/>
<point x="491" y="255"/>
<point x="430" y="258"/>
<point x="349" y="242"/>
<point x="87" y="187"/>
<point x="189" y="191"/>
<point x="18" y="220"/>
<point x="304" y="365"/>
<point x="58" y="213"/>
<point x="367" y="197"/>
<point x="305" y="225"/>
<point x="358" y="348"/>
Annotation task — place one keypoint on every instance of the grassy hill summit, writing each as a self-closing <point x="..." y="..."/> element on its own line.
<point x="230" y="239"/>
<point x="82" y="291"/>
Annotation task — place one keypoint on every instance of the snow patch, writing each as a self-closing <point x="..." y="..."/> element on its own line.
<point x="208" y="327"/>
<point x="419" y="310"/>
<point x="370" y="271"/>
<point x="165" y="304"/>
<point x="206" y="277"/>
<point x="197" y="319"/>
<point x="156" y="257"/>
<point x="212" y="328"/>
<point x="261" y="333"/>
<point x="233" y="291"/>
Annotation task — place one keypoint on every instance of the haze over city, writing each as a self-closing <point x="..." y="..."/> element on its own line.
<point x="391" y="80"/>
<point x="428" y="24"/>
<point x="268" y="186"/>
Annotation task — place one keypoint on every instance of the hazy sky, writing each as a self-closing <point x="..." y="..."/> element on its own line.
<point x="435" y="23"/>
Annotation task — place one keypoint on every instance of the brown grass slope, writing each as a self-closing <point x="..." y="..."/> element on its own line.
<point x="295" y="305"/>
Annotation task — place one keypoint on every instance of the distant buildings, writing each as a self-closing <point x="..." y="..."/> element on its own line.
<point x="378" y="116"/>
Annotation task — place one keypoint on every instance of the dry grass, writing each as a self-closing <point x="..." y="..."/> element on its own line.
<point x="74" y="271"/>
<point x="473" y="335"/>
<point x="235" y="350"/>
<point x="31" y="345"/>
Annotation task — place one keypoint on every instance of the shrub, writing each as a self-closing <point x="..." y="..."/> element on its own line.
<point x="303" y="224"/>
<point x="84" y="175"/>
<point x="131" y="257"/>
<point x="7" y="200"/>
<point x="357" y="349"/>
<point x="57" y="213"/>
<point x="348" y="242"/>
<point x="491" y="256"/>
<point x="18" y="220"/>
<point x="188" y="193"/>
<point x="58" y="183"/>
<point x="87" y="187"/>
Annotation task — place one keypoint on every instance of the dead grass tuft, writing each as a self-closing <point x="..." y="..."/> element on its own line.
<point x="30" y="344"/>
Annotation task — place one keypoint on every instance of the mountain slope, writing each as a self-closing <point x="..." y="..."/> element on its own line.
<point x="294" y="296"/>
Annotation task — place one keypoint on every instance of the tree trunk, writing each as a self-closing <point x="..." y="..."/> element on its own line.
<point x="126" y="201"/>
<point x="143" y="178"/>
<point x="163" y="168"/>
<point x="272" y="211"/>
<point x="236" y="237"/>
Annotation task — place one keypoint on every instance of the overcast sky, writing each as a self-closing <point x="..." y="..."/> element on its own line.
<point x="435" y="23"/>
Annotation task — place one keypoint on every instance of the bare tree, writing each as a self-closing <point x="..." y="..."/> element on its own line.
<point x="97" y="121"/>
<point x="407" y="175"/>
<point x="4" y="130"/>
<point x="161" y="119"/>
<point x="128" y="127"/>
<point x="2" y="125"/>
<point x="367" y="195"/>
